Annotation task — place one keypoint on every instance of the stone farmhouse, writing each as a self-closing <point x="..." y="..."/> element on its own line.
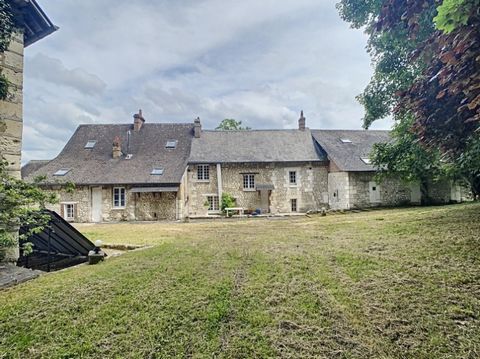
<point x="34" y="26"/>
<point x="144" y="171"/>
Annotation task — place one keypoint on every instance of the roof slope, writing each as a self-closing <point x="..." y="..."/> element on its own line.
<point x="348" y="156"/>
<point x="32" y="166"/>
<point x="254" y="146"/>
<point x="96" y="166"/>
<point x="35" y="22"/>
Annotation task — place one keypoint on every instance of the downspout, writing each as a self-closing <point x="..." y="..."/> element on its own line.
<point x="219" y="182"/>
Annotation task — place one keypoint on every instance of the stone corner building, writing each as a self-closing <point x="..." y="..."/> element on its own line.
<point x="34" y="26"/>
<point x="153" y="171"/>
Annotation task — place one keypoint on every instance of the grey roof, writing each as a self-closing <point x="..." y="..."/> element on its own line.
<point x="32" y="166"/>
<point x="254" y="146"/>
<point x="35" y="22"/>
<point x="348" y="156"/>
<point x="96" y="166"/>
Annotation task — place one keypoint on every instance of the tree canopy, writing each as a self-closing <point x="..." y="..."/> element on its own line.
<point x="231" y="124"/>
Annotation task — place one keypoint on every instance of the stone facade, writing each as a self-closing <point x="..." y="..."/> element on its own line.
<point x="138" y="206"/>
<point x="11" y="112"/>
<point x="310" y="190"/>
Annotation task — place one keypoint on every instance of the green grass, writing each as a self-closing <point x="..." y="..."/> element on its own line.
<point x="400" y="283"/>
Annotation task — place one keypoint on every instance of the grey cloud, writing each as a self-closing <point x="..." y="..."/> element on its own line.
<point x="52" y="70"/>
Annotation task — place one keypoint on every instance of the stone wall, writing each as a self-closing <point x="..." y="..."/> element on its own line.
<point x="393" y="192"/>
<point x="338" y="190"/>
<point x="310" y="190"/>
<point x="138" y="206"/>
<point x="11" y="115"/>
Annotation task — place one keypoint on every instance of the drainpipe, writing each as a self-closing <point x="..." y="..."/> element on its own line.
<point x="219" y="182"/>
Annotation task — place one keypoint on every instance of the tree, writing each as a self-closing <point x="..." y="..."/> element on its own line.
<point x="21" y="203"/>
<point x="406" y="158"/>
<point x="231" y="124"/>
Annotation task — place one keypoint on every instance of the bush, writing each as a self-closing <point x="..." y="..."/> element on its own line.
<point x="228" y="201"/>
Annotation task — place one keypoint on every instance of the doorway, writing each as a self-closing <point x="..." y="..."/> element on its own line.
<point x="96" y="204"/>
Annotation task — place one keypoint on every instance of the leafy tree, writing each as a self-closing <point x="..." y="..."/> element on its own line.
<point x="406" y="158"/>
<point x="231" y="124"/>
<point x="21" y="203"/>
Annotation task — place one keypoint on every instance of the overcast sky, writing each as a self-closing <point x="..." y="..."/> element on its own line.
<point x="258" y="61"/>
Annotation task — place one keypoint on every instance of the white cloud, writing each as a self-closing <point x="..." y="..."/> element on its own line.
<point x="257" y="61"/>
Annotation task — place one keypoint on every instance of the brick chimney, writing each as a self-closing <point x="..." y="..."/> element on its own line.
<point x="138" y="121"/>
<point x="301" y="122"/>
<point x="197" y="127"/>
<point x="117" y="147"/>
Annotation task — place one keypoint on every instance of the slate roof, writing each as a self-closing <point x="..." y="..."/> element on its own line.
<point x="255" y="146"/>
<point x="96" y="166"/>
<point x="35" y="22"/>
<point x="33" y="166"/>
<point x="348" y="156"/>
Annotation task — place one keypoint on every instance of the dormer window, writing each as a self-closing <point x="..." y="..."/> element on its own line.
<point x="62" y="172"/>
<point x="90" y="144"/>
<point x="171" y="144"/>
<point x="345" y="140"/>
<point x="366" y="160"/>
<point x="157" y="171"/>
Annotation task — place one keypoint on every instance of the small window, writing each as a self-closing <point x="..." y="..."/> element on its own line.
<point x="345" y="140"/>
<point x="248" y="181"/>
<point x="366" y="160"/>
<point x="293" y="204"/>
<point x="69" y="211"/>
<point x="213" y="203"/>
<point x="203" y="172"/>
<point x="292" y="175"/>
<point x="157" y="171"/>
<point x="171" y="144"/>
<point x="91" y="144"/>
<point x="119" y="197"/>
<point x="62" y="172"/>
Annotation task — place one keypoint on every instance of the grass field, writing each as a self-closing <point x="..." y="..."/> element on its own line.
<point x="401" y="283"/>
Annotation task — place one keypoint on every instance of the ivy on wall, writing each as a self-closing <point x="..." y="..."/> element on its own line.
<point x="7" y="26"/>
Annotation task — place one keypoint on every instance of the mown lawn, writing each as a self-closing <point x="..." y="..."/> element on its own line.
<point x="401" y="283"/>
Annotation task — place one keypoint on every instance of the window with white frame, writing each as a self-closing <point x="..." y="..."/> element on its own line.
<point x="213" y="203"/>
<point x="249" y="181"/>
<point x="203" y="172"/>
<point x="293" y="205"/>
<point x="119" y="197"/>
<point x="292" y="177"/>
<point x="69" y="211"/>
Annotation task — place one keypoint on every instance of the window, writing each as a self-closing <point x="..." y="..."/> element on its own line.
<point x="213" y="203"/>
<point x="118" y="197"/>
<point x="157" y="171"/>
<point x="171" y="144"/>
<point x="293" y="205"/>
<point x="345" y="140"/>
<point x="69" y="211"/>
<point x="203" y="172"/>
<point x="90" y="144"/>
<point x="292" y="175"/>
<point x="249" y="182"/>
<point x="62" y="172"/>
<point x="366" y="160"/>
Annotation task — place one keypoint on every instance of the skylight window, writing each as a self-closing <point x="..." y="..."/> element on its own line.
<point x="171" y="144"/>
<point x="345" y="140"/>
<point x="62" y="172"/>
<point x="157" y="171"/>
<point x="366" y="160"/>
<point x="90" y="144"/>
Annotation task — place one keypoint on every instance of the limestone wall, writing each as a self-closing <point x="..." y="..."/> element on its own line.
<point x="81" y="197"/>
<point x="11" y="115"/>
<point x="310" y="190"/>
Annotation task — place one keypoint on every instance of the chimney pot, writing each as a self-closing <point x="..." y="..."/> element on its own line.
<point x="138" y="121"/>
<point x="301" y="122"/>
<point x="197" y="127"/>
